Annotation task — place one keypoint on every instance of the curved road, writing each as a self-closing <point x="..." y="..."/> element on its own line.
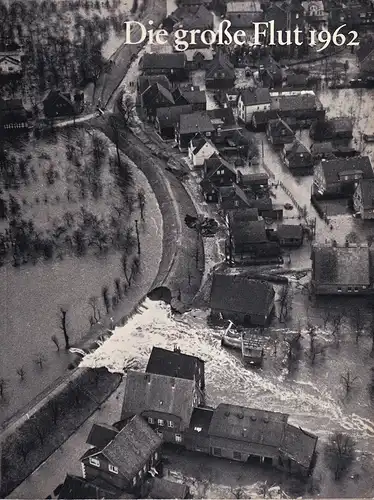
<point x="182" y="264"/>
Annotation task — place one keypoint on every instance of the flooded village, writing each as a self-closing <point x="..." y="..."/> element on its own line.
<point x="186" y="253"/>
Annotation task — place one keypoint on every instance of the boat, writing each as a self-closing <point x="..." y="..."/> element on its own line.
<point x="231" y="338"/>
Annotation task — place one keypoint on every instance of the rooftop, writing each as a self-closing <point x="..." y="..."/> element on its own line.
<point x="194" y="123"/>
<point x="367" y="192"/>
<point x="255" y="96"/>
<point x="333" y="168"/>
<point x="173" y="364"/>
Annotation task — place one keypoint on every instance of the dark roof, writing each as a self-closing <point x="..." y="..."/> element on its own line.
<point x="367" y="191"/>
<point x="332" y="168"/>
<point x="220" y="63"/>
<point x="233" y="192"/>
<point x="145" y="81"/>
<point x="75" y="487"/>
<point x="207" y="186"/>
<point x="239" y="139"/>
<point x="173" y="364"/>
<point x="285" y="231"/>
<point x="155" y="88"/>
<point x="249" y="179"/>
<point x="257" y="427"/>
<point x="195" y="123"/>
<point x="201" y="418"/>
<point x="321" y="147"/>
<point x="194" y="16"/>
<point x="246" y="232"/>
<point x="296" y="148"/>
<point x="199" y="141"/>
<point x="132" y="447"/>
<point x="298" y="79"/>
<point x="276" y="127"/>
<point x="163" y="488"/>
<point x="163" y="61"/>
<point x="53" y="95"/>
<point x="341" y="265"/>
<point x="152" y="392"/>
<point x="251" y="97"/>
<point x="295" y="100"/>
<point x="263" y="117"/>
<point x="170" y="116"/>
<point x="215" y="164"/>
<point x="223" y="117"/>
<point x="240" y="294"/>
<point x="100" y="435"/>
<point x="365" y="49"/>
<point x="194" y="96"/>
<point x="10" y="105"/>
<point x="299" y="445"/>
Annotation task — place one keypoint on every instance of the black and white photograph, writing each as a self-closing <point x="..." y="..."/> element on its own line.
<point x="186" y="249"/>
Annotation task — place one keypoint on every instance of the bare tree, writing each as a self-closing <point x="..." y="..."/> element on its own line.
<point x="54" y="410"/>
<point x="117" y="284"/>
<point x="317" y="349"/>
<point x="3" y="384"/>
<point x="358" y="323"/>
<point x="142" y="202"/>
<point x="106" y="298"/>
<point x="55" y="341"/>
<point x="24" y="447"/>
<point x="339" y="453"/>
<point x="336" y="327"/>
<point x="127" y="108"/>
<point x="95" y="311"/>
<point x="238" y="492"/>
<point x="285" y="302"/>
<point x="39" y="360"/>
<point x="63" y="326"/>
<point x="40" y="431"/>
<point x="348" y="380"/>
<point x="21" y="373"/>
<point x="311" y="331"/>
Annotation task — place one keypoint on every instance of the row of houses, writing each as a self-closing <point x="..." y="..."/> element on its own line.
<point x="166" y="404"/>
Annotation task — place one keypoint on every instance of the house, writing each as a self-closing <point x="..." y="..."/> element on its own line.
<point x="173" y="66"/>
<point x="154" y="97"/>
<point x="177" y="364"/>
<point x="363" y="199"/>
<point x="242" y="14"/>
<point x="167" y="119"/>
<point x="190" y="94"/>
<point x="165" y="402"/>
<point x="192" y="124"/>
<point x="224" y="124"/>
<point x="297" y="451"/>
<point x="233" y="197"/>
<point x="201" y="149"/>
<point x="144" y="82"/>
<point x="198" y="58"/>
<point x="210" y="191"/>
<point x="290" y="235"/>
<point x="193" y="17"/>
<point x="241" y="299"/>
<point x="75" y="487"/>
<point x="57" y="104"/>
<point x="220" y="72"/>
<point x="365" y="55"/>
<point x="332" y="129"/>
<point x="342" y="270"/>
<point x="161" y="488"/>
<point x="254" y="182"/>
<point x="219" y="171"/>
<point x="286" y="16"/>
<point x="279" y="132"/>
<point x="124" y="461"/>
<point x="296" y="156"/>
<point x="251" y="100"/>
<point x="14" y="118"/>
<point x="322" y="150"/>
<point x="340" y="176"/>
<point x="315" y="13"/>
<point x="353" y="16"/>
<point x="260" y="119"/>
<point x="240" y="143"/>
<point x="253" y="348"/>
<point x="11" y="57"/>
<point x="297" y="80"/>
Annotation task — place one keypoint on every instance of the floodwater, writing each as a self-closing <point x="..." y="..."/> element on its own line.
<point x="313" y="395"/>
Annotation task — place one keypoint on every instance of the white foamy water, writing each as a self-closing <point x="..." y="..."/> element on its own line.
<point x="310" y="405"/>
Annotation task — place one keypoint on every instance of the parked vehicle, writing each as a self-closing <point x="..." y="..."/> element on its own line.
<point x="368" y="137"/>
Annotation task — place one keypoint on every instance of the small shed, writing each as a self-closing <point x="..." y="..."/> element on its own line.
<point x="253" y="345"/>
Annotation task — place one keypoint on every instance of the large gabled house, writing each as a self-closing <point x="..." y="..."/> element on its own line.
<point x="14" y="118"/>
<point x="167" y="119"/>
<point x="252" y="100"/>
<point x="219" y="172"/>
<point x="58" y="104"/>
<point x="201" y="149"/>
<point x="11" y="59"/>
<point x="241" y="299"/>
<point x="279" y="132"/>
<point x="192" y="124"/>
<point x="190" y="94"/>
<point x="123" y="460"/>
<point x="340" y="176"/>
<point x="198" y="58"/>
<point x="165" y="402"/>
<point x="344" y="270"/>
<point x="173" y="66"/>
<point x="177" y="364"/>
<point x="224" y="123"/>
<point x="220" y="73"/>
<point x="145" y="81"/>
<point x="154" y="97"/>
<point x="297" y="157"/>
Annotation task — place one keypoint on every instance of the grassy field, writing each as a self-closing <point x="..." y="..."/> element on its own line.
<point x="68" y="244"/>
